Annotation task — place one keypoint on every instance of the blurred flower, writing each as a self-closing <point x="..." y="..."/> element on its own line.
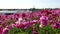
<point x="52" y="21"/>
<point x="58" y="20"/>
<point x="1" y="30"/>
<point x="34" y="31"/>
<point x="33" y="21"/>
<point x="26" y="25"/>
<point x="43" y="21"/>
<point x="20" y="19"/>
<point x="23" y="15"/>
<point x="5" y="30"/>
<point x="54" y="25"/>
<point x="58" y="25"/>
<point x="12" y="25"/>
<point x="17" y="24"/>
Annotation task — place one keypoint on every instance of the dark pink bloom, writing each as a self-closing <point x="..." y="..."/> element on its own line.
<point x="54" y="25"/>
<point x="23" y="15"/>
<point x="5" y="30"/>
<point x="1" y="30"/>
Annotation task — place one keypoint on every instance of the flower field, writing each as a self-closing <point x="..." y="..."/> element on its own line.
<point x="39" y="22"/>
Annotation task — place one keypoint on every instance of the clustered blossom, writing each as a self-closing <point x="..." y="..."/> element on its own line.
<point x="5" y="30"/>
<point x="28" y="20"/>
<point x="43" y="21"/>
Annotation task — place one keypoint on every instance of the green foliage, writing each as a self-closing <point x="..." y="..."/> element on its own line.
<point x="45" y="30"/>
<point x="20" y="31"/>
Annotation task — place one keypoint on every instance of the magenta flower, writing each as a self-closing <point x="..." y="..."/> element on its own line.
<point x="5" y="30"/>
<point x="51" y="22"/>
<point x="26" y="25"/>
<point x="43" y="21"/>
<point x="23" y="15"/>
<point x="12" y="25"/>
<point x="58" y="20"/>
<point x="54" y="25"/>
<point x="1" y="30"/>
<point x="33" y="21"/>
<point x="34" y="31"/>
<point x="58" y="25"/>
<point x="6" y="17"/>
<point x="17" y="24"/>
<point x="31" y="16"/>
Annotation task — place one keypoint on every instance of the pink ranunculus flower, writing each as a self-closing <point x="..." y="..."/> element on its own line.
<point x="43" y="21"/>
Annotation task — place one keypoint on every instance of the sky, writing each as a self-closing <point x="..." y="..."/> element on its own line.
<point x="25" y="4"/>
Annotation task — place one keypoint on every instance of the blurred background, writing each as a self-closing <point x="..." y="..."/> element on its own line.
<point x="19" y="6"/>
<point x="26" y="4"/>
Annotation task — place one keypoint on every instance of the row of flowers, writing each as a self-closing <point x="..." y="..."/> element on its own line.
<point x="30" y="22"/>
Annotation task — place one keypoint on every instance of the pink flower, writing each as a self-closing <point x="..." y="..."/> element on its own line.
<point x="44" y="18"/>
<point x="23" y="15"/>
<point x="1" y="30"/>
<point x="33" y="21"/>
<point x="34" y="31"/>
<point x="18" y="24"/>
<point x="43" y="21"/>
<point x="54" y="25"/>
<point x="31" y="16"/>
<point x="26" y="25"/>
<point x="12" y="25"/>
<point x="5" y="30"/>
<point x="51" y="21"/>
